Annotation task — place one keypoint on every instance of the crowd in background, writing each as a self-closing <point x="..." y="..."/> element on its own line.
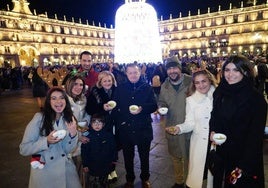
<point x="128" y="84"/>
<point x="18" y="77"/>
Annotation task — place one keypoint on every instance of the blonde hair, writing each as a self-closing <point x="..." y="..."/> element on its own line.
<point x="104" y="74"/>
<point x="205" y="72"/>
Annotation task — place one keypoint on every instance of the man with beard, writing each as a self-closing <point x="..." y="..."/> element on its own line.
<point x="173" y="96"/>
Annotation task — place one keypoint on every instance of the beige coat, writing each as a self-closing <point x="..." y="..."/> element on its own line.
<point x="198" y="108"/>
<point x="175" y="101"/>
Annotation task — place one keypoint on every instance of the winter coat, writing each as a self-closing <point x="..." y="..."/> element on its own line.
<point x="95" y="101"/>
<point x="40" y="87"/>
<point x="239" y="112"/>
<point x="79" y="109"/>
<point x="134" y="129"/>
<point x="80" y="114"/>
<point x="198" y="109"/>
<point x="90" y="79"/>
<point x="59" y="170"/>
<point x="100" y="153"/>
<point x="175" y="101"/>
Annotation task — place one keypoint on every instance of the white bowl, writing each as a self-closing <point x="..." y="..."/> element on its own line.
<point x="112" y="104"/>
<point x="133" y="108"/>
<point x="82" y="123"/>
<point x="60" y="134"/>
<point x="82" y="126"/>
<point x="219" y="138"/>
<point x="163" y="110"/>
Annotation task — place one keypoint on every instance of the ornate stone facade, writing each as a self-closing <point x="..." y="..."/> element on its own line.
<point x="28" y="39"/>
<point x="239" y="30"/>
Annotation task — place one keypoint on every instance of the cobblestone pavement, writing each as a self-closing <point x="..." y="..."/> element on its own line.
<point x="16" y="110"/>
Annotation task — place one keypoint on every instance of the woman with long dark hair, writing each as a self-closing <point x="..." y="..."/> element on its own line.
<point x="239" y="112"/>
<point x="52" y="135"/>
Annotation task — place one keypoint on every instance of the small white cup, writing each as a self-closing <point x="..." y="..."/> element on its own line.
<point x="133" y="108"/>
<point x="82" y="126"/>
<point x="163" y="110"/>
<point x="219" y="138"/>
<point x="112" y="104"/>
<point x="60" y="134"/>
<point x="82" y="123"/>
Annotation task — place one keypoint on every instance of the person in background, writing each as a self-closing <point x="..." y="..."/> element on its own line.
<point x="39" y="88"/>
<point x="159" y="76"/>
<point x="97" y="103"/>
<point x="239" y="111"/>
<point x="75" y="89"/>
<point x="198" y="109"/>
<point x="135" y="127"/>
<point x="262" y="76"/>
<point x="173" y="96"/>
<point x="98" y="155"/>
<point x="91" y="76"/>
<point x="39" y="138"/>
<point x="86" y="70"/>
<point x="119" y="75"/>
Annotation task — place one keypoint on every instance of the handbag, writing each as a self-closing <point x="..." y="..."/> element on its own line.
<point x="214" y="161"/>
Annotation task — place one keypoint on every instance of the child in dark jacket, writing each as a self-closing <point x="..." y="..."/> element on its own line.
<point x="99" y="154"/>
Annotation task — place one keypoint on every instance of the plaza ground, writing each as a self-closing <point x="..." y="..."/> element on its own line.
<point x="17" y="109"/>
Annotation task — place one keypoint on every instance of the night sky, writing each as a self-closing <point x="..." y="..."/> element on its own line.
<point x="103" y="11"/>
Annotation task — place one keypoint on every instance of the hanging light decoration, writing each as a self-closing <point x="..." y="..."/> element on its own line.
<point x="137" y="33"/>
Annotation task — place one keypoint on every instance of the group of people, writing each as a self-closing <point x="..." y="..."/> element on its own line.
<point x="88" y="154"/>
<point x="198" y="107"/>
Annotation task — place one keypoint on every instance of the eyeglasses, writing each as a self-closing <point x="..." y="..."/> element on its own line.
<point x="97" y="122"/>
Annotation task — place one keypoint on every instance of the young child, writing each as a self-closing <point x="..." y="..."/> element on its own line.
<point x="99" y="154"/>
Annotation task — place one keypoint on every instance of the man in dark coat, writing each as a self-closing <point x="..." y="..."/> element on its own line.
<point x="134" y="127"/>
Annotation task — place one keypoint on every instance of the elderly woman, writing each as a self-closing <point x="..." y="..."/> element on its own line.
<point x="97" y="103"/>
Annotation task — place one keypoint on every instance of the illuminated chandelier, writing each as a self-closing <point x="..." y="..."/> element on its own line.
<point x="137" y="33"/>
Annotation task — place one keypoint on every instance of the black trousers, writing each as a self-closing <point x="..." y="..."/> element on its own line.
<point x="129" y="153"/>
<point x="96" y="182"/>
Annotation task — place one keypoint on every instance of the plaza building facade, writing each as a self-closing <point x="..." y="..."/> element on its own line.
<point x="241" y="30"/>
<point x="28" y="39"/>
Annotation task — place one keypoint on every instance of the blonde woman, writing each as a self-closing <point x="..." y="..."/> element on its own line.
<point x="97" y="103"/>
<point x="198" y="108"/>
